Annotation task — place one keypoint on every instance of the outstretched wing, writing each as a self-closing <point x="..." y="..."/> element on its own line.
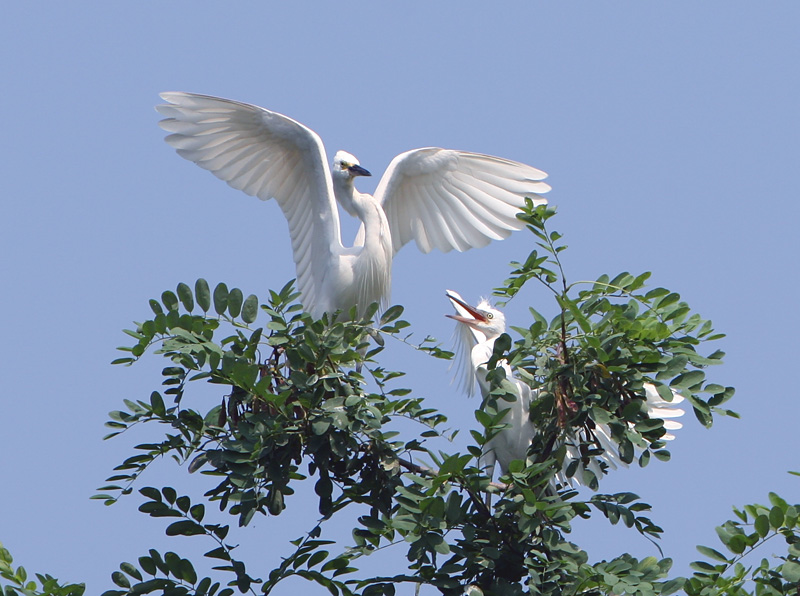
<point x="449" y="199"/>
<point x="267" y="155"/>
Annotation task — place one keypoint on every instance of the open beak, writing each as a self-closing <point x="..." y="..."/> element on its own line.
<point x="474" y="316"/>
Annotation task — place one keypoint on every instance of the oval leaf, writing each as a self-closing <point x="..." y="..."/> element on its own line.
<point x="203" y="294"/>
<point x="185" y="295"/>
<point x="185" y="528"/>
<point x="762" y="525"/>
<point x="235" y="300"/>
<point x="170" y="300"/>
<point x="156" y="307"/>
<point x="221" y="298"/>
<point x="776" y="517"/>
<point x="790" y="570"/>
<point x="250" y="309"/>
<point x="713" y="554"/>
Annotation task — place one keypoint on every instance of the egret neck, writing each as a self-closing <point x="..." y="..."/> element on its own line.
<point x="371" y="257"/>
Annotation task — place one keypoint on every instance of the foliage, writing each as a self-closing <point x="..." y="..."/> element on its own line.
<point x="296" y="405"/>
<point x="19" y="584"/>
<point x="305" y="401"/>
<point x="756" y="525"/>
<point x="592" y="360"/>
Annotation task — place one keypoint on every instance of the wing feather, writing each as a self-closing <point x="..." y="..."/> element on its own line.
<point x="499" y="201"/>
<point x="460" y="219"/>
<point x="449" y="200"/>
<point x="480" y="219"/>
<point x="268" y="155"/>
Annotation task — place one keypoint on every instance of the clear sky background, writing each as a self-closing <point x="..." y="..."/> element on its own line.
<point x="670" y="132"/>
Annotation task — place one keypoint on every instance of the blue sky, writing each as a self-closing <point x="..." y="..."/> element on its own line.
<point x="669" y="130"/>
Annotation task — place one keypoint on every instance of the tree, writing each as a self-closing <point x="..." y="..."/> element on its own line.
<point x="304" y="400"/>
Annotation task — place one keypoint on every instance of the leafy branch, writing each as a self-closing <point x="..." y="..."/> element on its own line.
<point x="306" y="400"/>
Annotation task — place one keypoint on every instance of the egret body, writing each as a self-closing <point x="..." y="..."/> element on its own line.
<point x="477" y="331"/>
<point x="439" y="198"/>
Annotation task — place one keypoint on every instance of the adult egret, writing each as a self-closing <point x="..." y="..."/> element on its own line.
<point x="476" y="333"/>
<point x="440" y="198"/>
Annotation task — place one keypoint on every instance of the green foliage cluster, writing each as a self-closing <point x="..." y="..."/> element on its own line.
<point x="295" y="406"/>
<point x="19" y="584"/>
<point x="293" y="394"/>
<point x="591" y="361"/>
<point x="305" y="401"/>
<point x="754" y="526"/>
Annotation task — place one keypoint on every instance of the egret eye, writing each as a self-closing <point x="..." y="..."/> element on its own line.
<point x="489" y="315"/>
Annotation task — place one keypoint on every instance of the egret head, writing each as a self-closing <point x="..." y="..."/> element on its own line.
<point x="486" y="322"/>
<point x="477" y="329"/>
<point x="345" y="164"/>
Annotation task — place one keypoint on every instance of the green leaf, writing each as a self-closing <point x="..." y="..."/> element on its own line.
<point x="221" y="298"/>
<point x="790" y="571"/>
<point x="218" y="553"/>
<point x="713" y="554"/>
<point x="203" y="586"/>
<point x="185" y="528"/>
<point x="235" y="300"/>
<point x="156" y="307"/>
<point x="198" y="512"/>
<point x="131" y="570"/>
<point x="737" y="544"/>
<point x="151" y="493"/>
<point x="391" y="313"/>
<point x="187" y="571"/>
<point x="120" y="579"/>
<point x="169" y="494"/>
<point x="579" y="317"/>
<point x="183" y="503"/>
<point x="777" y="501"/>
<point x="157" y="403"/>
<point x="317" y="558"/>
<point x="170" y="300"/>
<point x="203" y="294"/>
<point x="250" y="309"/>
<point x="155" y="557"/>
<point x="762" y="525"/>
<point x="688" y="379"/>
<point x="173" y="562"/>
<point x="185" y="295"/>
<point x="776" y="517"/>
<point x="147" y="565"/>
<point x="672" y="586"/>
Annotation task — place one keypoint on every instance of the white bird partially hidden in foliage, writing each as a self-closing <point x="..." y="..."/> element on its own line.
<point x="476" y="333"/>
<point x="440" y="198"/>
<point x="478" y="329"/>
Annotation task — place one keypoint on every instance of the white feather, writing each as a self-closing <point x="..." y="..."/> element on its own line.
<point x="440" y="198"/>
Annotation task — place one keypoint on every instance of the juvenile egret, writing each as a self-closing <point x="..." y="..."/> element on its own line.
<point x="476" y="333"/>
<point x="440" y="198"/>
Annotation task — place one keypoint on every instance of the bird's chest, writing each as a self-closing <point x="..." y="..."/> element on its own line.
<point x="364" y="275"/>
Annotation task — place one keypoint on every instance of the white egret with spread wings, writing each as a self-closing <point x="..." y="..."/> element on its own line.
<point x="439" y="198"/>
<point x="478" y="329"/>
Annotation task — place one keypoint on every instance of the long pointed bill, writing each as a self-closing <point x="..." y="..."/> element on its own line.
<point x="474" y="316"/>
<point x="358" y="171"/>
